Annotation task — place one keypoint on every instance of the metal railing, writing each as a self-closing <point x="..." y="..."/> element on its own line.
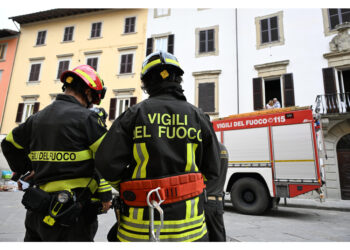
<point x="332" y="103"/>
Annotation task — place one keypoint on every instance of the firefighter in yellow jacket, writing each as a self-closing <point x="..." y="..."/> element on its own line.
<point x="58" y="145"/>
<point x="163" y="145"/>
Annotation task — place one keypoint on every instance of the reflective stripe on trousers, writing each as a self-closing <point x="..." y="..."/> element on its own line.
<point x="134" y="228"/>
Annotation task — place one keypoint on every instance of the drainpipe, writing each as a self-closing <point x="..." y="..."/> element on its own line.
<point x="237" y="71"/>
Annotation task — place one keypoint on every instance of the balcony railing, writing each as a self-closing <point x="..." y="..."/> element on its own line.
<point x="332" y="103"/>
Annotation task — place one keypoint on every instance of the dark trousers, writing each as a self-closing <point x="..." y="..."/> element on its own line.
<point x="214" y="217"/>
<point x="36" y="230"/>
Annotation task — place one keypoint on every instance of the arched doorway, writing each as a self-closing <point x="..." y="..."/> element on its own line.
<point x="343" y="153"/>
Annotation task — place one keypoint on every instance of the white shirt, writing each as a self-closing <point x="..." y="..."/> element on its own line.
<point x="277" y="104"/>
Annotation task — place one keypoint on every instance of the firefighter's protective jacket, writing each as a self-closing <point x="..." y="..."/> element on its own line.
<point x="159" y="137"/>
<point x="59" y="144"/>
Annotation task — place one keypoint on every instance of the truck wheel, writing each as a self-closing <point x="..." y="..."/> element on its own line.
<point x="249" y="196"/>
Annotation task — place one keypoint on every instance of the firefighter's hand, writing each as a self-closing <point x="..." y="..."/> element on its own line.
<point x="28" y="177"/>
<point x="106" y="206"/>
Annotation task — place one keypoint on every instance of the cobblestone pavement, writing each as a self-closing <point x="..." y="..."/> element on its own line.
<point x="285" y="224"/>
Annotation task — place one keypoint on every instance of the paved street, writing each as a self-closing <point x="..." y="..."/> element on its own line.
<point x="290" y="224"/>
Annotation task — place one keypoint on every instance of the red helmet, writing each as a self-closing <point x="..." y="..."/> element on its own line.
<point x="90" y="77"/>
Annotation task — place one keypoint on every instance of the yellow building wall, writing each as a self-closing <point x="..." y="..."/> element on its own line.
<point x="111" y="43"/>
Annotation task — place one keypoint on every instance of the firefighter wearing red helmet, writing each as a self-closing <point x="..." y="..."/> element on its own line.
<point x="57" y="146"/>
<point x="156" y="154"/>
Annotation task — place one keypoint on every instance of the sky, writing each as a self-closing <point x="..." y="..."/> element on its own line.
<point x="10" y="7"/>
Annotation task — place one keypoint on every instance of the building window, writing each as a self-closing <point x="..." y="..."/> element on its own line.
<point x="126" y="63"/>
<point x="163" y="42"/>
<point x="34" y="75"/>
<point x="96" y="30"/>
<point x="41" y="38"/>
<point x="269" y="30"/>
<point x="273" y="82"/>
<point x="206" y="83"/>
<point x="206" y="96"/>
<point x="207" y="41"/>
<point x="3" y="51"/>
<point x="122" y="105"/>
<point x="93" y="62"/>
<point x="68" y="34"/>
<point x="124" y="99"/>
<point x="26" y="109"/>
<point x="130" y="25"/>
<point x="161" y="12"/>
<point x="338" y="16"/>
<point x="63" y="65"/>
<point x="266" y="89"/>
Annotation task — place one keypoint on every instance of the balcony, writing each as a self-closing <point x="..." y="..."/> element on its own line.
<point x="329" y="104"/>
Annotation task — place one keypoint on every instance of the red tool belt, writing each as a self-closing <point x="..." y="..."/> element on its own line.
<point x="172" y="189"/>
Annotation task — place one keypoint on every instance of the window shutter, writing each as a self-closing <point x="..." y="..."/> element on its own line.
<point x="206" y="96"/>
<point x="112" y="108"/>
<point x="257" y="93"/>
<point x="126" y="27"/>
<point x="132" y="24"/>
<point x="19" y="112"/>
<point x="288" y="84"/>
<point x="210" y="37"/>
<point x="98" y="30"/>
<point x="171" y="44"/>
<point x="330" y="90"/>
<point x="133" y="101"/>
<point x="329" y="81"/>
<point x="129" y="63"/>
<point x="93" y="30"/>
<point x="60" y="70"/>
<point x="36" y="107"/>
<point x="202" y="41"/>
<point x="149" y="46"/>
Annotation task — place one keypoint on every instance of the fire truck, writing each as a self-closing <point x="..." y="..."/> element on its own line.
<point x="273" y="154"/>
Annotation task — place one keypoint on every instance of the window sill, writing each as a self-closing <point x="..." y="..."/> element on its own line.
<point x="270" y="44"/>
<point x="129" y="33"/>
<point x="39" y="45"/>
<point x="211" y="53"/>
<point x="71" y="41"/>
<point x="33" y="82"/>
<point x="2" y="60"/>
<point x="126" y="75"/>
<point x="160" y="16"/>
<point x="94" y="38"/>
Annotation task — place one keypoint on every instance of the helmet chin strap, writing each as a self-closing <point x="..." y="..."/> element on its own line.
<point x="88" y="103"/>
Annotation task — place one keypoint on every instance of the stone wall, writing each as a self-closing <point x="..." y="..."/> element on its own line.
<point x="334" y="128"/>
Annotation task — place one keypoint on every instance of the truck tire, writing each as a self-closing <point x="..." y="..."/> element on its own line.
<point x="249" y="196"/>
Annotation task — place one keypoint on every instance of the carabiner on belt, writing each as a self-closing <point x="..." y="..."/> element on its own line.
<point x="154" y="237"/>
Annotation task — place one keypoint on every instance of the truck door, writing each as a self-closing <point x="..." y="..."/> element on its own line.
<point x="294" y="153"/>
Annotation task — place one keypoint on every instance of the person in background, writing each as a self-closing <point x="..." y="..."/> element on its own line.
<point x="269" y="105"/>
<point x="214" y="203"/>
<point x="276" y="103"/>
